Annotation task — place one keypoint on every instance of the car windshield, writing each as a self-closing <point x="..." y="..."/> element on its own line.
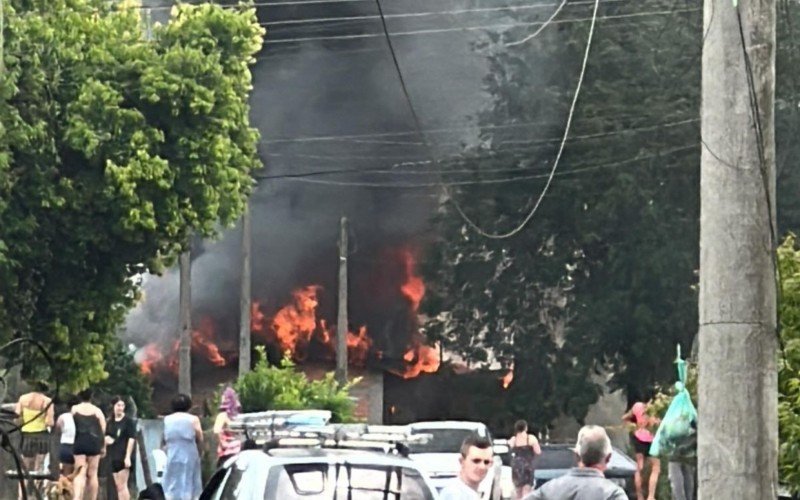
<point x="441" y="440"/>
<point x="323" y="481"/>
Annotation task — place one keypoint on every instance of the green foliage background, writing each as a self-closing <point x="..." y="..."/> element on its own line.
<point x="114" y="149"/>
<point x="268" y="387"/>
<point x="789" y="372"/>
<point x="600" y="286"/>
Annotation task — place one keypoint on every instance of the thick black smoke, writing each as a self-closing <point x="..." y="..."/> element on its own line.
<point x="327" y="98"/>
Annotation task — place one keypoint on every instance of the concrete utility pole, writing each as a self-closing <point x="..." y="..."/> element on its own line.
<point x="185" y="348"/>
<point x="244" y="296"/>
<point x="738" y="426"/>
<point x="341" y="324"/>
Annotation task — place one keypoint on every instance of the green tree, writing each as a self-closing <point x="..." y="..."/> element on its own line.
<point x="601" y="279"/>
<point x="114" y="148"/>
<point x="789" y="368"/>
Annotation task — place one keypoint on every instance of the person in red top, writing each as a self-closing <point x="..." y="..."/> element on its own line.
<point x="641" y="439"/>
<point x="229" y="443"/>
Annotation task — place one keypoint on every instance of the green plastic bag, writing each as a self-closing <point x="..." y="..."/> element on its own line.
<point x="676" y="437"/>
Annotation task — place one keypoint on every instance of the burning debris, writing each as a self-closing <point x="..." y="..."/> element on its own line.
<point x="297" y="329"/>
<point x="508" y="377"/>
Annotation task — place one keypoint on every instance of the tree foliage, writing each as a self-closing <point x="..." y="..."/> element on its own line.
<point x="599" y="287"/>
<point x="601" y="280"/>
<point x="114" y="148"/>
<point x="789" y="371"/>
<point x="268" y="387"/>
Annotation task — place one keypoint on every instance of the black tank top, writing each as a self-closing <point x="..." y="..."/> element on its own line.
<point x="87" y="425"/>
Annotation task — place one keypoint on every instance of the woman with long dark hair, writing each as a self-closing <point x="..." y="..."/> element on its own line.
<point x="120" y="438"/>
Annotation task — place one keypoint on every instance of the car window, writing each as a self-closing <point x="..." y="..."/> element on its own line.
<point x="441" y="440"/>
<point x="355" y="482"/>
<point x="556" y="458"/>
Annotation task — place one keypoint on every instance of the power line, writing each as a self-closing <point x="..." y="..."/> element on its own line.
<point x="475" y="28"/>
<point x="501" y="126"/>
<point x="541" y="28"/>
<point x="307" y="178"/>
<point x="494" y="152"/>
<point x="542" y="194"/>
<point x="404" y="15"/>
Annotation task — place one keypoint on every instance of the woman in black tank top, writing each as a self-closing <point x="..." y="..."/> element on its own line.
<point x="88" y="435"/>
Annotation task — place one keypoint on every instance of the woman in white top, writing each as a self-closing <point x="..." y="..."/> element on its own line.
<point x="66" y="427"/>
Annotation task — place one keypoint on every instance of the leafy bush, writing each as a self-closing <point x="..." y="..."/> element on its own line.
<point x="789" y="368"/>
<point x="282" y="387"/>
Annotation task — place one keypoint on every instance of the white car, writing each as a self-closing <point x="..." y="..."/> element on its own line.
<point x="438" y="456"/>
<point x="318" y="474"/>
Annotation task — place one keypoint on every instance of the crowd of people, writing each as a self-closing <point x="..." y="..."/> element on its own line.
<point x="88" y="435"/>
<point x="586" y="481"/>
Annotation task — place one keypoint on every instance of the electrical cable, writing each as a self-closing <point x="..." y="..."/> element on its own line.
<point x="431" y="131"/>
<point x="764" y="171"/>
<point x="513" y="148"/>
<point x="308" y="178"/>
<point x="537" y="204"/>
<point x="541" y="28"/>
<point x="404" y="15"/>
<point x="478" y="28"/>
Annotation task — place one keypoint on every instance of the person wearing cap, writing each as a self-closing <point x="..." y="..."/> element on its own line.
<point x="586" y="481"/>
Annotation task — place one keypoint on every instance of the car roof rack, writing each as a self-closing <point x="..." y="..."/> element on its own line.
<point x="296" y="429"/>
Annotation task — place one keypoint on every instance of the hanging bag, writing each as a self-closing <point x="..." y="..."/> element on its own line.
<point x="676" y="437"/>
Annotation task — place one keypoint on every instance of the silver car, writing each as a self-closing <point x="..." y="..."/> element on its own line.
<point x="318" y="474"/>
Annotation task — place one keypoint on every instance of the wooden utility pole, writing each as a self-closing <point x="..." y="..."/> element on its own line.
<point x="244" y="295"/>
<point x="185" y="348"/>
<point x="737" y="422"/>
<point x="341" y="324"/>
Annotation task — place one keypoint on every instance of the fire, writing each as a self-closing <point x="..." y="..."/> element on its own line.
<point x="508" y="377"/>
<point x="148" y="357"/>
<point x="203" y="342"/>
<point x="256" y="317"/>
<point x="413" y="288"/>
<point x="358" y="345"/>
<point x="295" y="326"/>
<point x="421" y="359"/>
<point x="152" y="356"/>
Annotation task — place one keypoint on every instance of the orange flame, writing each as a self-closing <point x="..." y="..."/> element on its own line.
<point x="148" y="358"/>
<point x="295" y="326"/>
<point x="421" y="359"/>
<point x="413" y="288"/>
<point x="152" y="357"/>
<point x="508" y="377"/>
<point x="203" y="342"/>
<point x="256" y="317"/>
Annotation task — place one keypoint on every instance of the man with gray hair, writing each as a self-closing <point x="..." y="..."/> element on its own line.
<point x="586" y="481"/>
